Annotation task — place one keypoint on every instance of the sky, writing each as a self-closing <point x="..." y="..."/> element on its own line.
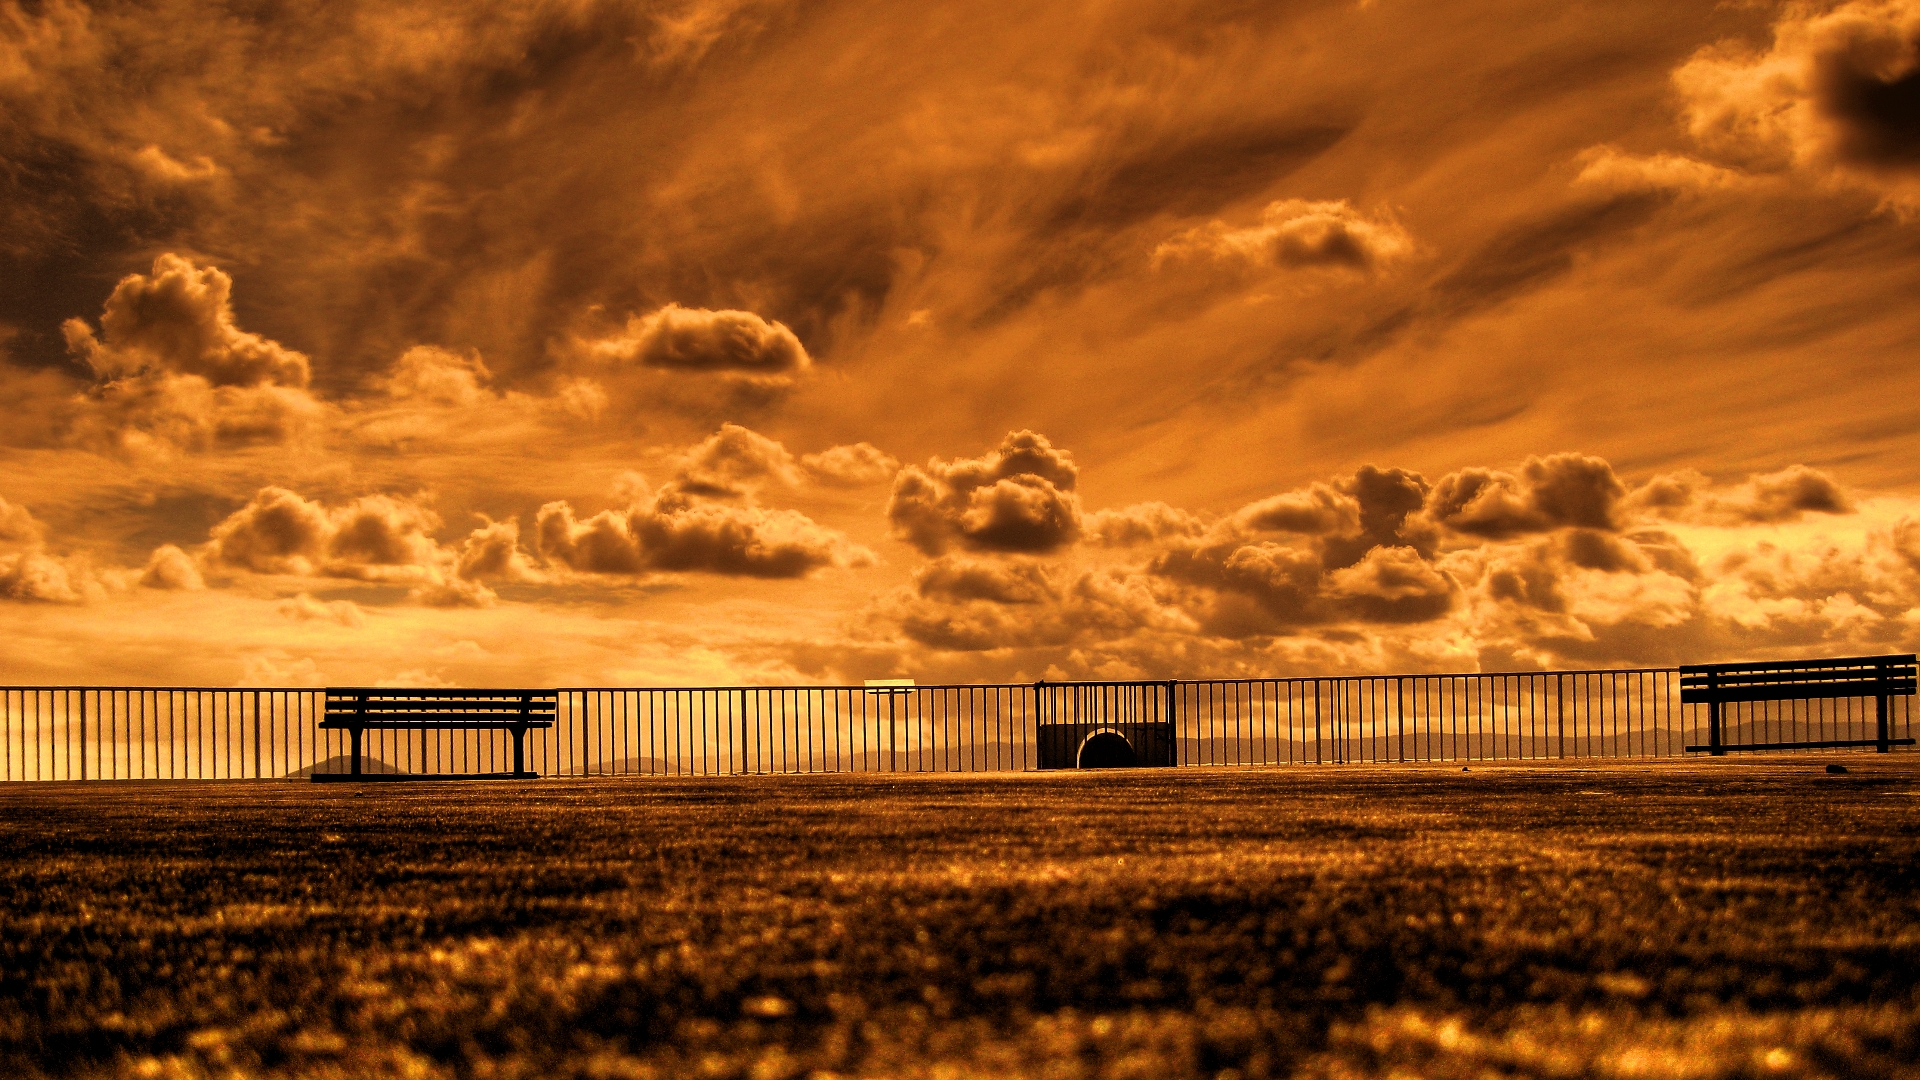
<point x="709" y="342"/>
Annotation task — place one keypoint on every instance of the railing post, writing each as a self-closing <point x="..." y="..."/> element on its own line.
<point x="1560" y="715"/>
<point x="83" y="737"/>
<point x="740" y="699"/>
<point x="1316" y="723"/>
<point x="256" y="735"/>
<point x="1400" y="716"/>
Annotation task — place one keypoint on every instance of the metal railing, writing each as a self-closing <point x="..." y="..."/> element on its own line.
<point x="190" y="733"/>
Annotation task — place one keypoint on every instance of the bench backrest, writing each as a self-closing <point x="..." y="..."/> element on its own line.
<point x="1794" y="680"/>
<point x="386" y="704"/>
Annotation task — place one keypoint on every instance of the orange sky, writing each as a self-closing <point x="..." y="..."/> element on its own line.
<point x="731" y="341"/>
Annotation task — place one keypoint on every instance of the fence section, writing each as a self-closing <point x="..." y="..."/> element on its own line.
<point x="190" y="733"/>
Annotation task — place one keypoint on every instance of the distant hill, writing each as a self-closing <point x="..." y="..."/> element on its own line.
<point x="343" y="763"/>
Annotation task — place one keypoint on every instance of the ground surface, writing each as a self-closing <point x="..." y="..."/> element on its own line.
<point x="1724" y="919"/>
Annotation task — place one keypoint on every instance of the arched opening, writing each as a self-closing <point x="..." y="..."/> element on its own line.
<point x="1107" y="750"/>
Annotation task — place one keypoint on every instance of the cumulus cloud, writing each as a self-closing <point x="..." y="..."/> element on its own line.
<point x="733" y="462"/>
<point x="303" y="607"/>
<point x="1767" y="498"/>
<point x="1315" y="510"/>
<point x="1835" y="95"/>
<point x="1002" y="582"/>
<point x="175" y="373"/>
<point x="1017" y="498"/>
<point x="697" y="340"/>
<point x="854" y="465"/>
<point x="674" y="532"/>
<point x="1557" y="491"/>
<point x="18" y="527"/>
<point x="1141" y="524"/>
<point x="960" y="604"/>
<point x="1295" y="234"/>
<point x="436" y="376"/>
<point x="171" y="568"/>
<point x="179" y="319"/>
<point x="29" y="572"/>
<point x="376" y="538"/>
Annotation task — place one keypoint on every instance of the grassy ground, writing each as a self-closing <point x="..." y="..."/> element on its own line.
<point x="1724" y="919"/>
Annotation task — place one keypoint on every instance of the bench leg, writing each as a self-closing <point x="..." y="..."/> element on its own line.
<point x="519" y="751"/>
<point x="1713" y="731"/>
<point x="356" y="751"/>
<point x="1880" y="725"/>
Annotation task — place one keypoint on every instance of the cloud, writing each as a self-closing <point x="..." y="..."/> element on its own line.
<point x="179" y="320"/>
<point x="1615" y="172"/>
<point x="18" y="527"/>
<point x="1002" y="582"/>
<point x="1552" y="492"/>
<point x="854" y="465"/>
<point x="1835" y="96"/>
<point x="174" y="372"/>
<point x="1141" y="524"/>
<point x="302" y="607"/>
<point x="697" y="340"/>
<point x="674" y="532"/>
<point x="960" y="604"/>
<point x="430" y="375"/>
<point x="1017" y="498"/>
<point x="1295" y="234"/>
<point x="375" y="538"/>
<point x="1768" y="498"/>
<point x="172" y="569"/>
<point x="733" y="462"/>
<point x="1314" y="510"/>
<point x="29" y="572"/>
<point x="34" y="575"/>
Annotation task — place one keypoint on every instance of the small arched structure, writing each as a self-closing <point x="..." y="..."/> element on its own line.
<point x="1106" y="750"/>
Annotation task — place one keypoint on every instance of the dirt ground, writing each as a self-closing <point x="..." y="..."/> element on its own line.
<point x="1727" y="918"/>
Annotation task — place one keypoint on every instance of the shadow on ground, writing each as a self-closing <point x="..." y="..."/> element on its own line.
<point x="1723" y="919"/>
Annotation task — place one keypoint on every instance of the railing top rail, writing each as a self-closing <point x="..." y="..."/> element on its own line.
<point x="1539" y="673"/>
<point x="455" y="691"/>
<point x="158" y="688"/>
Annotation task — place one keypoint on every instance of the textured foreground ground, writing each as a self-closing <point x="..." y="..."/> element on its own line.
<point x="1733" y="919"/>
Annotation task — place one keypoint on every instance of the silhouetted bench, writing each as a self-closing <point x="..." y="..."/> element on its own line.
<point x="355" y="710"/>
<point x="1877" y="677"/>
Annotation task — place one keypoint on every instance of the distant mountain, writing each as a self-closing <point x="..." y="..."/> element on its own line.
<point x="343" y="763"/>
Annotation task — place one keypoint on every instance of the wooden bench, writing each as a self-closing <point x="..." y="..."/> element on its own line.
<point x="354" y="710"/>
<point x="1877" y="677"/>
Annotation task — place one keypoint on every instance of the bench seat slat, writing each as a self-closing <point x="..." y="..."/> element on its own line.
<point x="440" y="708"/>
<point x="446" y="721"/>
<point x="1891" y="671"/>
<point x="1701" y="695"/>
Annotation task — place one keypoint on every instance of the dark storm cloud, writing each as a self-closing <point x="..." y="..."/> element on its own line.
<point x="173" y="372"/>
<point x="1768" y="498"/>
<point x="1000" y="581"/>
<point x="1017" y="498"/>
<point x="1557" y="491"/>
<point x="691" y="339"/>
<point x="680" y="534"/>
<point x="1837" y="94"/>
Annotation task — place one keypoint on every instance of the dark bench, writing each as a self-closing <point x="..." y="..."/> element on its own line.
<point x="354" y="710"/>
<point x="1877" y="677"/>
